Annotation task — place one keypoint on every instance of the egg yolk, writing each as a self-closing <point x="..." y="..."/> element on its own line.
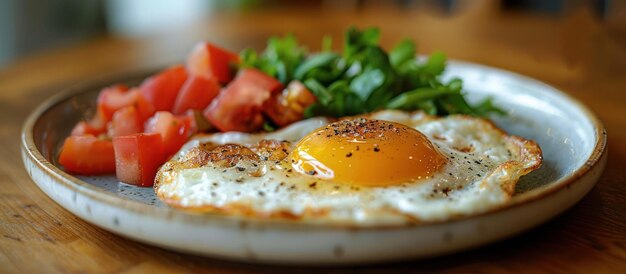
<point x="367" y="152"/>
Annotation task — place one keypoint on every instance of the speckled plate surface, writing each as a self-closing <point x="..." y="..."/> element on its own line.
<point x="571" y="137"/>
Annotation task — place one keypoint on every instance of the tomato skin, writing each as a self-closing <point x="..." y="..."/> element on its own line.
<point x="113" y="98"/>
<point x="198" y="122"/>
<point x="289" y="105"/>
<point x="238" y="107"/>
<point x="259" y="79"/>
<point x="189" y="119"/>
<point x="161" y="89"/>
<point x="77" y="155"/>
<point x="174" y="131"/>
<point x="84" y="128"/>
<point x="138" y="158"/>
<point x="126" y="121"/>
<point x="211" y="61"/>
<point x="96" y="126"/>
<point x="196" y="94"/>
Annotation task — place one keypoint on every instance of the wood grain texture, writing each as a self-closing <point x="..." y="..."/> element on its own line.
<point x="577" y="53"/>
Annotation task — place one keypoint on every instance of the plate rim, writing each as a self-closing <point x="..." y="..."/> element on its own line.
<point x="75" y="184"/>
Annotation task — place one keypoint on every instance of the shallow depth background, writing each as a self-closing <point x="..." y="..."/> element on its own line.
<point x="578" y="46"/>
<point x="31" y="27"/>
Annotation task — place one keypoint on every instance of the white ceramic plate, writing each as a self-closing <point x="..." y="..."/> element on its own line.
<point x="571" y="137"/>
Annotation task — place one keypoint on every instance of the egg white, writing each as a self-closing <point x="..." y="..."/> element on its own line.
<point x="483" y="166"/>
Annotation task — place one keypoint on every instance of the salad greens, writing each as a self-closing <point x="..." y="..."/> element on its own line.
<point x="364" y="77"/>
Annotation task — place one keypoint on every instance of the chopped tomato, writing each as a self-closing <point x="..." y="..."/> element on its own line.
<point x="111" y="99"/>
<point x="238" y="106"/>
<point x="188" y="120"/>
<point x="116" y="97"/>
<point x="174" y="131"/>
<point x="198" y="122"/>
<point x="161" y="89"/>
<point x="211" y="61"/>
<point x="288" y="106"/>
<point x="196" y="93"/>
<point x="138" y="157"/>
<point x="95" y="127"/>
<point x="78" y="155"/>
<point x="126" y="121"/>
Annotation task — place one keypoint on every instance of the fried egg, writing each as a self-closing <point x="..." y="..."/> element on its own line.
<point x="388" y="167"/>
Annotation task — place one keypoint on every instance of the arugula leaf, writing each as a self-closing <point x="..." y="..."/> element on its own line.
<point x="435" y="65"/>
<point x="357" y="40"/>
<point x="279" y="60"/>
<point x="365" y="78"/>
<point x="249" y="58"/>
<point x="269" y="127"/>
<point x="410" y="100"/>
<point x="455" y="84"/>
<point x="455" y="104"/>
<point x="337" y="100"/>
<point x="402" y="53"/>
<point x="428" y="106"/>
<point x="486" y="106"/>
<point x="367" y="82"/>
<point x="346" y="101"/>
<point x="323" y="61"/>
<point x="320" y="92"/>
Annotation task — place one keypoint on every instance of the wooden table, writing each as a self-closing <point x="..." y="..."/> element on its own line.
<point x="577" y="53"/>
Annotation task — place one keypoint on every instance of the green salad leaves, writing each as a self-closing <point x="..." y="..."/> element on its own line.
<point x="364" y="77"/>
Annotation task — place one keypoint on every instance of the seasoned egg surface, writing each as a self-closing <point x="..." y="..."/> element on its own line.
<point x="384" y="168"/>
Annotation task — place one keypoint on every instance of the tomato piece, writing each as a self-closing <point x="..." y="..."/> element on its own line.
<point x="87" y="155"/>
<point x="138" y="157"/>
<point x="161" y="89"/>
<point x="189" y="124"/>
<point x="111" y="99"/>
<point x="196" y="93"/>
<point x="84" y="128"/>
<point x="198" y="122"/>
<point x="288" y="106"/>
<point x="238" y="107"/>
<point x="126" y="121"/>
<point x="116" y="97"/>
<point x="95" y="127"/>
<point x="211" y="61"/>
<point x="174" y="131"/>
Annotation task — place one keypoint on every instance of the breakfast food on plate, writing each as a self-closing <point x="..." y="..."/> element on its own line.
<point x="389" y="166"/>
<point x="359" y="136"/>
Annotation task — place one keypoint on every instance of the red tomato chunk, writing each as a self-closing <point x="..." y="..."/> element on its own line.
<point x="95" y="127"/>
<point x="173" y="130"/>
<point x="113" y="98"/>
<point x="210" y="61"/>
<point x="288" y="106"/>
<point x="144" y="131"/>
<point x="138" y="157"/>
<point x="161" y="89"/>
<point x="126" y="121"/>
<point x="238" y="107"/>
<point x="78" y="155"/>
<point x="196" y="94"/>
